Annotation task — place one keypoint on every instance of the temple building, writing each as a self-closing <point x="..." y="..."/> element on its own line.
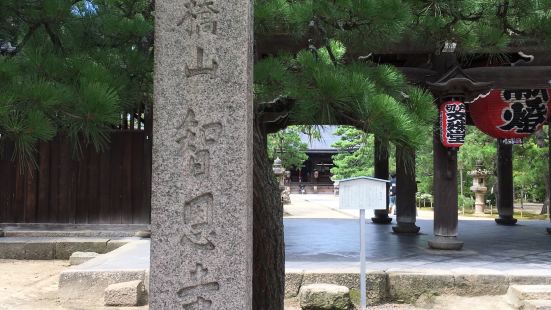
<point x="315" y="176"/>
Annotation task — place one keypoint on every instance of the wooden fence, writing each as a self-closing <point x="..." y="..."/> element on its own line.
<point x="112" y="187"/>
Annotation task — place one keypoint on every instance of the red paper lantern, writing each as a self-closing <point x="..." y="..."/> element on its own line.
<point x="508" y="114"/>
<point x="452" y="123"/>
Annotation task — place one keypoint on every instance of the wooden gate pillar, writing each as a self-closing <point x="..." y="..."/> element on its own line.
<point x="406" y="187"/>
<point x="445" y="196"/>
<point x="381" y="172"/>
<point x="455" y="84"/>
<point x="505" y="190"/>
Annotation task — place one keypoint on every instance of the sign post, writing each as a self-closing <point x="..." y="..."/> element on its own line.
<point x="363" y="297"/>
<point x="362" y="193"/>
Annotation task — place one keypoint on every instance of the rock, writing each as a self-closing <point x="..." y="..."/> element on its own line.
<point x="130" y="294"/>
<point x="78" y="258"/>
<point x="143" y="233"/>
<point x="518" y="294"/>
<point x="324" y="297"/>
<point x="293" y="281"/>
<point x="376" y="283"/>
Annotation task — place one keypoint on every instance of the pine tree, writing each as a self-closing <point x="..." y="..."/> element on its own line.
<point x="70" y="68"/>
<point x="355" y="157"/>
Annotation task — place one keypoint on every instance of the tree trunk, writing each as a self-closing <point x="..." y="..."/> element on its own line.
<point x="269" y="249"/>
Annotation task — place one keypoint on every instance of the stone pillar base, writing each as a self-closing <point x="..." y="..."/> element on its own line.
<point x="506" y="220"/>
<point x="406" y="228"/>
<point x="381" y="217"/>
<point x="479" y="210"/>
<point x="445" y="243"/>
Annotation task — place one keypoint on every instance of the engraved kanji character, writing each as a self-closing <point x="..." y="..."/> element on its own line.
<point x="193" y="295"/>
<point x="203" y="64"/>
<point x="195" y="141"/>
<point x="198" y="222"/>
<point x="200" y="17"/>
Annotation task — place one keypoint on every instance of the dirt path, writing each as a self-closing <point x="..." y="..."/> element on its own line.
<point x="30" y="284"/>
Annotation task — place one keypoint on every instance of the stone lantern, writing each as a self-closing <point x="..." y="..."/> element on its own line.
<point x="279" y="172"/>
<point x="479" y="188"/>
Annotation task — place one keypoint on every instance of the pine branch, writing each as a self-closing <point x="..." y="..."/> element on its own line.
<point x="56" y="41"/>
<point x="26" y="38"/>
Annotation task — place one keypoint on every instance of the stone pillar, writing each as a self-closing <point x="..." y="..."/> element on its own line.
<point x="445" y="196"/>
<point x="381" y="172"/>
<point x="406" y="188"/>
<point x="505" y="184"/>
<point x="201" y="218"/>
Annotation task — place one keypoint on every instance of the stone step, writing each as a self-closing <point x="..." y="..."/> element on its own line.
<point x="86" y="283"/>
<point x="47" y="248"/>
<point x="537" y="304"/>
<point x="518" y="294"/>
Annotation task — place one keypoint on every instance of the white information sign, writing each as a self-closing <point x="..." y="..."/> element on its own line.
<point x="362" y="193"/>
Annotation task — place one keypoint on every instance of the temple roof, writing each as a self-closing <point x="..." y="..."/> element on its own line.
<point x="323" y="145"/>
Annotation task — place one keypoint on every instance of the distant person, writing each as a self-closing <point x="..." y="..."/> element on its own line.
<point x="392" y="193"/>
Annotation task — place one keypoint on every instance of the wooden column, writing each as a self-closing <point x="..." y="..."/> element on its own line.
<point x="381" y="172"/>
<point x="445" y="196"/>
<point x="406" y="187"/>
<point x="505" y="184"/>
<point x="549" y="170"/>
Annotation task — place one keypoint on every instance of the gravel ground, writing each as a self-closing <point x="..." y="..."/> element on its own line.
<point x="32" y="285"/>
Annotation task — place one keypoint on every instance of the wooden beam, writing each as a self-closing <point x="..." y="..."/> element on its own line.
<point x="501" y="77"/>
<point x="513" y="77"/>
<point x="286" y="43"/>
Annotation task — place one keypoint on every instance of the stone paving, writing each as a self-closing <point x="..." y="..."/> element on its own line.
<point x="321" y="242"/>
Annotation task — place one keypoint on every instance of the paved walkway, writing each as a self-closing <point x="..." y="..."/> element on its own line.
<point x="322" y="242"/>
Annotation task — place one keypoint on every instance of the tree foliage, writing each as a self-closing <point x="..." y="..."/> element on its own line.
<point x="75" y="67"/>
<point x="475" y="25"/>
<point x="356" y="154"/>
<point x="355" y="157"/>
<point x="288" y="146"/>
<point x="530" y="169"/>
